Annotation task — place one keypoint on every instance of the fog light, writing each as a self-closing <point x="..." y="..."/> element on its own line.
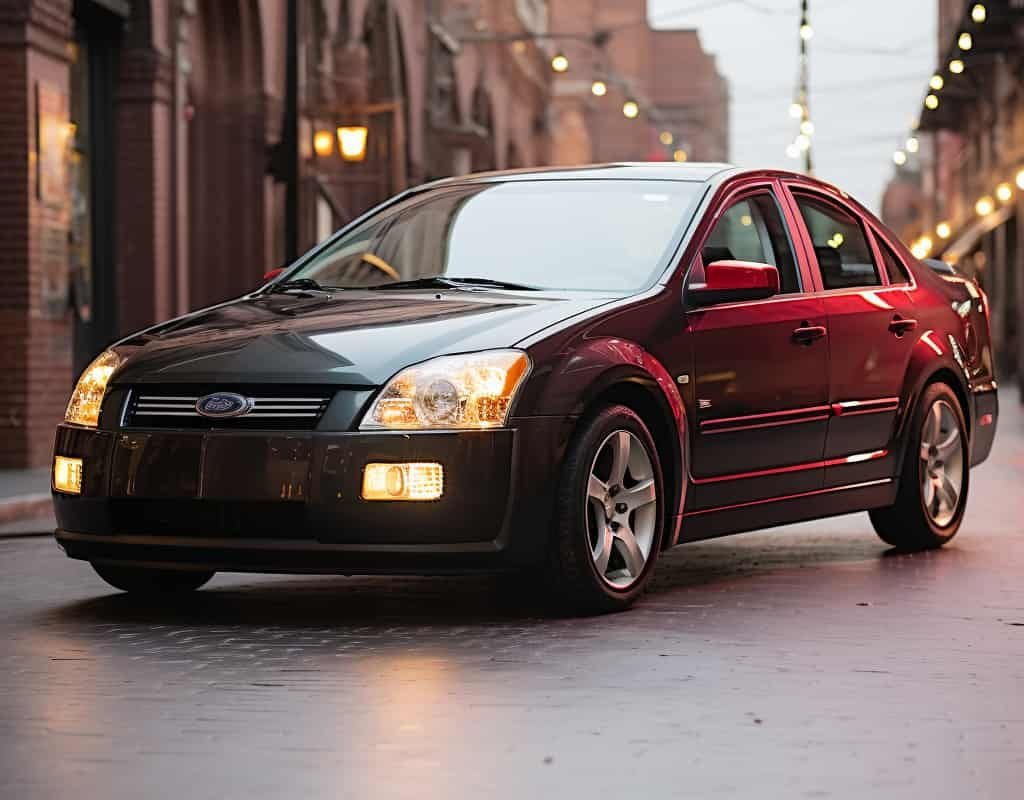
<point x="67" y="474"/>
<point x="412" y="481"/>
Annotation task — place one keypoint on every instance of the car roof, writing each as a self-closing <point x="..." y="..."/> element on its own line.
<point x="692" y="171"/>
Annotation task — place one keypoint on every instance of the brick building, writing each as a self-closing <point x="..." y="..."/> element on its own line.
<point x="140" y="143"/>
<point x="961" y="197"/>
<point x="682" y="100"/>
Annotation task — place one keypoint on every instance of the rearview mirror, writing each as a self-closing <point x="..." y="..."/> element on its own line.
<point x="734" y="281"/>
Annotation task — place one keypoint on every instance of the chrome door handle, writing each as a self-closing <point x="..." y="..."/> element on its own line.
<point x="900" y="325"/>
<point x="808" y="334"/>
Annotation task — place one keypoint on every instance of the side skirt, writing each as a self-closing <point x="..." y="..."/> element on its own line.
<point x="830" y="502"/>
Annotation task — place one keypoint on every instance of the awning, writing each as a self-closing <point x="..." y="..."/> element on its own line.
<point x="968" y="239"/>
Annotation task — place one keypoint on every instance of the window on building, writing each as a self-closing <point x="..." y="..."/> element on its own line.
<point x="844" y="257"/>
<point x="752" y="230"/>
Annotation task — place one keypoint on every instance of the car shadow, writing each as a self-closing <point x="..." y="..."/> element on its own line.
<point x="693" y="571"/>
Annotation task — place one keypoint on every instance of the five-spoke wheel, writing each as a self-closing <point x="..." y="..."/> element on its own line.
<point x="933" y="484"/>
<point x="610" y="514"/>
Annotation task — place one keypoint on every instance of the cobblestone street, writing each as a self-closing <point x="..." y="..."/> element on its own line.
<point x="798" y="662"/>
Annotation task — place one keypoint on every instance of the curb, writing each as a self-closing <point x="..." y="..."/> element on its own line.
<point x="24" y="507"/>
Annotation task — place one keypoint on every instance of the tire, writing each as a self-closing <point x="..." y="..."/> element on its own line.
<point x="146" y="581"/>
<point x="609" y="517"/>
<point x="930" y="502"/>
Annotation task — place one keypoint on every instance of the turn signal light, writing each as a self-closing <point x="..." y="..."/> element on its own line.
<point x="67" y="474"/>
<point x="411" y="481"/>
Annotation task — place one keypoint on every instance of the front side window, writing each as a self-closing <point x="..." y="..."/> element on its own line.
<point x="844" y="256"/>
<point x="597" y="235"/>
<point x="752" y="230"/>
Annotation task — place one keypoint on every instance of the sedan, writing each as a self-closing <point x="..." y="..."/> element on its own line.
<point x="558" y="373"/>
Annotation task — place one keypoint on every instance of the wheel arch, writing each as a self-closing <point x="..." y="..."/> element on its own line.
<point x="646" y="387"/>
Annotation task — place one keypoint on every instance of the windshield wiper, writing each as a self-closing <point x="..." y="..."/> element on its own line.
<point x="307" y="284"/>
<point x="450" y="282"/>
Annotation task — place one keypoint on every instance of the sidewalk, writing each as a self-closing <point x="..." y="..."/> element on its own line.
<point x="25" y="506"/>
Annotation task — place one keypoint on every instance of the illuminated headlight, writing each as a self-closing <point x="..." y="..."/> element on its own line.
<point x="84" y="405"/>
<point x="467" y="391"/>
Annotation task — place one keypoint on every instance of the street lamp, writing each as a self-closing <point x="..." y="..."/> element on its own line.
<point x="352" y="142"/>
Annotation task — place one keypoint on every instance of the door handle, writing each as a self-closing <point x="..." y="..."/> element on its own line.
<point x="809" y="334"/>
<point x="900" y="325"/>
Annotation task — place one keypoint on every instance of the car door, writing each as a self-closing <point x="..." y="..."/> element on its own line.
<point x="760" y="367"/>
<point x="870" y="319"/>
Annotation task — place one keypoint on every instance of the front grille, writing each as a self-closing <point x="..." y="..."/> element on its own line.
<point x="273" y="408"/>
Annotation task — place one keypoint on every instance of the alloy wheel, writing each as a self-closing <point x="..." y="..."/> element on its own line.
<point x="621" y="509"/>
<point x="942" y="463"/>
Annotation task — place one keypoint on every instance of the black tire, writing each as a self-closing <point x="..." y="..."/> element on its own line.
<point x="147" y="581"/>
<point x="574" y="582"/>
<point x="907" y="524"/>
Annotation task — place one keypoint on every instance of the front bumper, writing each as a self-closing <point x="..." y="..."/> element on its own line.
<point x="290" y="502"/>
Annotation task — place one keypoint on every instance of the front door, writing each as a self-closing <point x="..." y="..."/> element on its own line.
<point x="760" y="368"/>
<point x="870" y="322"/>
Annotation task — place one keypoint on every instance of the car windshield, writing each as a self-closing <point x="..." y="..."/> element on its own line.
<point x="597" y="235"/>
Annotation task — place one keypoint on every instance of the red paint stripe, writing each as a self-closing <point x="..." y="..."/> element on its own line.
<point x="789" y="497"/>
<point x="856" y="458"/>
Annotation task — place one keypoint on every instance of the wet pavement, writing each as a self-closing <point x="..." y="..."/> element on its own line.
<point x="799" y="662"/>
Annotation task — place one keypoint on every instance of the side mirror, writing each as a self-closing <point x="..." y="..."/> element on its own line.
<point x="269" y="276"/>
<point x="733" y="282"/>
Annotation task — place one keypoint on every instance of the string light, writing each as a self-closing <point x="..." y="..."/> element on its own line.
<point x="796" y="110"/>
<point x="1004" y="192"/>
<point x="984" y="206"/>
<point x="599" y="88"/>
<point x="1020" y="179"/>
<point x="956" y="66"/>
<point x="965" y="41"/>
<point x="913" y="145"/>
<point x="943" y="230"/>
<point x="666" y="138"/>
<point x="560" y="63"/>
<point x="807" y="127"/>
<point x="931" y="101"/>
<point x="630" y="109"/>
<point x="899" y="158"/>
<point x="680" y="155"/>
<point x="803" y="141"/>
<point x="936" y="82"/>
<point x="792" y="150"/>
<point x="806" y="32"/>
<point x="978" y="13"/>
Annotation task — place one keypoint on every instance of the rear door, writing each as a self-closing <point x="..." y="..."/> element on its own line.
<point x="761" y="385"/>
<point x="870" y="322"/>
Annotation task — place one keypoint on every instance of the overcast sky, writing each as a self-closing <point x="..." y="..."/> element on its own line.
<point x="870" y="63"/>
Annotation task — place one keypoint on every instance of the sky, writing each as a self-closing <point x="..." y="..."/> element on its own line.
<point x="870" y="61"/>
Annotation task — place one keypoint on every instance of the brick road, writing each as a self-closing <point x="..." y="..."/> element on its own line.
<point x="798" y="662"/>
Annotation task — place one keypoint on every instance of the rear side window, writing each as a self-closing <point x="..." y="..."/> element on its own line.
<point x="844" y="256"/>
<point x="894" y="266"/>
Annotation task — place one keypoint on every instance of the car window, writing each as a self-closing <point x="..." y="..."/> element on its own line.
<point x="844" y="257"/>
<point x="894" y="266"/>
<point x="596" y="235"/>
<point x="752" y="230"/>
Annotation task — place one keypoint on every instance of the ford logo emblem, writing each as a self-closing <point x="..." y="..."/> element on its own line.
<point x="220" y="405"/>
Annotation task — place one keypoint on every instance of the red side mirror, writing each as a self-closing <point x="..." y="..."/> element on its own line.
<point x="735" y="281"/>
<point x="269" y="276"/>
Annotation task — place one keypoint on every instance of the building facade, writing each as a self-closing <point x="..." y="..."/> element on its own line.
<point x="146" y="151"/>
<point x="961" y="197"/>
<point x="681" y="100"/>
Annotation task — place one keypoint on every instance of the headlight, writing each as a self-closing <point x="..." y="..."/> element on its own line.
<point x="468" y="391"/>
<point x="85" y="402"/>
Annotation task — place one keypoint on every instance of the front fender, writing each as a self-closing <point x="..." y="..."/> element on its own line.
<point x="611" y="367"/>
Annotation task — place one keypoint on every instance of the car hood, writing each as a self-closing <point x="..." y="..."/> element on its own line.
<point x="354" y="338"/>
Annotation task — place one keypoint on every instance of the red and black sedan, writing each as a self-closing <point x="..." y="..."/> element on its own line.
<point x="558" y="372"/>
